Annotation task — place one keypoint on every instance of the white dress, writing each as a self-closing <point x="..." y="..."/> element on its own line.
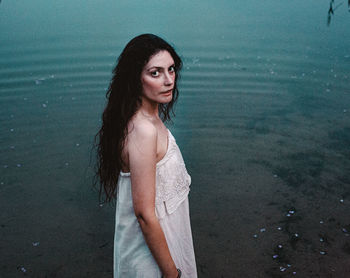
<point x="132" y="257"/>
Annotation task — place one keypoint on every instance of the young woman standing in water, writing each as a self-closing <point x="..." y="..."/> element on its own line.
<point x="140" y="164"/>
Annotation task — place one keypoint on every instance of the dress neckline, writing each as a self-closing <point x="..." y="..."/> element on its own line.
<point x="167" y="150"/>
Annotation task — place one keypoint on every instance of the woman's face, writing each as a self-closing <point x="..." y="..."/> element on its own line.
<point x="158" y="78"/>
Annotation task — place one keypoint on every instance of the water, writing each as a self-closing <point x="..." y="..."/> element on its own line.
<point x="262" y="121"/>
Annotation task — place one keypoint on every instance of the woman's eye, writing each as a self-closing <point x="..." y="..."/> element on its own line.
<point x="172" y="69"/>
<point x="155" y="73"/>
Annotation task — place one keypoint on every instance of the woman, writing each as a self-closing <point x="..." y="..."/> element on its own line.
<point x="141" y="166"/>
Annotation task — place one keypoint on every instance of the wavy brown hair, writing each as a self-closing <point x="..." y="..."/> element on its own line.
<point x="123" y="100"/>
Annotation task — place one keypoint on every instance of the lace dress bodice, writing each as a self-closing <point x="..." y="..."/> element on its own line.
<point x="172" y="180"/>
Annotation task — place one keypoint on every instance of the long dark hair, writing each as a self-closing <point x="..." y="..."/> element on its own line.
<point x="123" y="100"/>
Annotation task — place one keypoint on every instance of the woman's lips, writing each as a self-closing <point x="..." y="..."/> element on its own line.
<point x="167" y="92"/>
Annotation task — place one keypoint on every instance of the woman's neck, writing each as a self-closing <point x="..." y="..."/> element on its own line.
<point x="149" y="109"/>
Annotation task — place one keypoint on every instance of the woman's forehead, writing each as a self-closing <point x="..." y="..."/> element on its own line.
<point x="160" y="59"/>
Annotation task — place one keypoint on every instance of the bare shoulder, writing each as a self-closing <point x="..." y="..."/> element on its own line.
<point x="142" y="131"/>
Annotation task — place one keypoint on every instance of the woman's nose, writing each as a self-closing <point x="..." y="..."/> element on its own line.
<point x="168" y="79"/>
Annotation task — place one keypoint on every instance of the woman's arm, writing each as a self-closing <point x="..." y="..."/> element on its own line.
<point x="142" y="150"/>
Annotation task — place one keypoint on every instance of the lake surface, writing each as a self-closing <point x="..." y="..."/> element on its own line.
<point x="263" y="122"/>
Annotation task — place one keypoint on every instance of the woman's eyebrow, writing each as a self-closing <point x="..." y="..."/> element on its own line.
<point x="155" y="67"/>
<point x="160" y="68"/>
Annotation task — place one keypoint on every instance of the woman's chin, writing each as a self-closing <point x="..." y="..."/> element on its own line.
<point x="166" y="99"/>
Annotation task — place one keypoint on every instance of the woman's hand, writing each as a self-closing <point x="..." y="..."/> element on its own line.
<point x="174" y="274"/>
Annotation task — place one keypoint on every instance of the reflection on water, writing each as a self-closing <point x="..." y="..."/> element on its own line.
<point x="262" y="122"/>
<point x="332" y="9"/>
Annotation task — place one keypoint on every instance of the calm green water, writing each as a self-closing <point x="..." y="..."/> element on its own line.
<point x="263" y="122"/>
